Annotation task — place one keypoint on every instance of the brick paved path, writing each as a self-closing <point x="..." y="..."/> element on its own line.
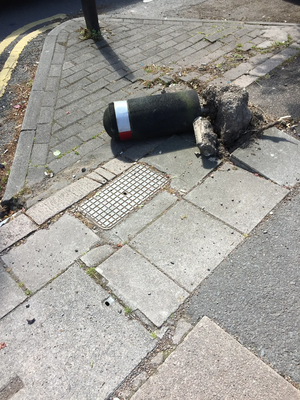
<point x="77" y="79"/>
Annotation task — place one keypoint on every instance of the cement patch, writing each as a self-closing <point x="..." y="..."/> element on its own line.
<point x="276" y="155"/>
<point x="142" y="286"/>
<point x="210" y="364"/>
<point x="74" y="348"/>
<point x="186" y="244"/>
<point x="237" y="197"/>
<point x="176" y="157"/>
<point x="49" y="251"/>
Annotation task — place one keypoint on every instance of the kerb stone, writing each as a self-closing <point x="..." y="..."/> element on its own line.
<point x="61" y="200"/>
<point x="19" y="168"/>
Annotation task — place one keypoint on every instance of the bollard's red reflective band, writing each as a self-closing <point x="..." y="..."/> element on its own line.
<point x="122" y="117"/>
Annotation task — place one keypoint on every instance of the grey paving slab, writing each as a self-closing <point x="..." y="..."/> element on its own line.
<point x="96" y="177"/>
<point x="186" y="244"/>
<point x="77" y="348"/>
<point x="244" y="80"/>
<point x="97" y="255"/>
<point x="235" y="73"/>
<point x="117" y="165"/>
<point x="11" y="295"/>
<point x="136" y="221"/>
<point x="255" y="293"/>
<point x="15" y="230"/>
<point x="210" y="364"/>
<point x="61" y="200"/>
<point x="49" y="251"/>
<point x="104" y="173"/>
<point x="39" y="154"/>
<point x="237" y="197"/>
<point x="141" y="285"/>
<point x="176" y="156"/>
<point x="276" y="155"/>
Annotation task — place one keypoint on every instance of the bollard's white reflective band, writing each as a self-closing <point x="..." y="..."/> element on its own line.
<point x="122" y="117"/>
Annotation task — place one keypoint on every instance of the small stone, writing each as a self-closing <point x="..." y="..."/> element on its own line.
<point x="83" y="169"/>
<point x="182" y="329"/>
<point x="139" y="380"/>
<point x="158" y="359"/>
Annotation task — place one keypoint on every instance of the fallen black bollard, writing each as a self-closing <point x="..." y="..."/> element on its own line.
<point x="152" y="116"/>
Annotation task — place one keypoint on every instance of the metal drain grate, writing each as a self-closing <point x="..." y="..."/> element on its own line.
<point x="117" y="199"/>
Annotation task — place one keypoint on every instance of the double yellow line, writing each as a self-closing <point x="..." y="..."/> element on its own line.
<point x="11" y="62"/>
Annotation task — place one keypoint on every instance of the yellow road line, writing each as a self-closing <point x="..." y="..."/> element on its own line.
<point x="10" y="38"/>
<point x="12" y="60"/>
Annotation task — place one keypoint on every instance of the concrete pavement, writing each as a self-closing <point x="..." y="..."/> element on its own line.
<point x="103" y="269"/>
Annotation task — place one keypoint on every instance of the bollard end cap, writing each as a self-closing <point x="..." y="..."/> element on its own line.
<point x="110" y="122"/>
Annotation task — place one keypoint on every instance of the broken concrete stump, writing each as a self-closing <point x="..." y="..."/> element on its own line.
<point x="206" y="139"/>
<point x="228" y="111"/>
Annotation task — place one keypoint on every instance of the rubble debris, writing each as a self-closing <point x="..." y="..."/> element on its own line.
<point x="206" y="139"/>
<point x="228" y="111"/>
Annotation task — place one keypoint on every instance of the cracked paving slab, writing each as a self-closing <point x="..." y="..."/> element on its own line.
<point x="77" y="347"/>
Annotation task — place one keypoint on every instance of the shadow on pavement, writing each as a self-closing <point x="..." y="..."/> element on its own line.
<point x="113" y="58"/>
<point x="278" y="94"/>
<point x="296" y="2"/>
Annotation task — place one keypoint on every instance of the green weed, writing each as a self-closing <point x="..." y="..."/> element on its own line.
<point x="128" y="310"/>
